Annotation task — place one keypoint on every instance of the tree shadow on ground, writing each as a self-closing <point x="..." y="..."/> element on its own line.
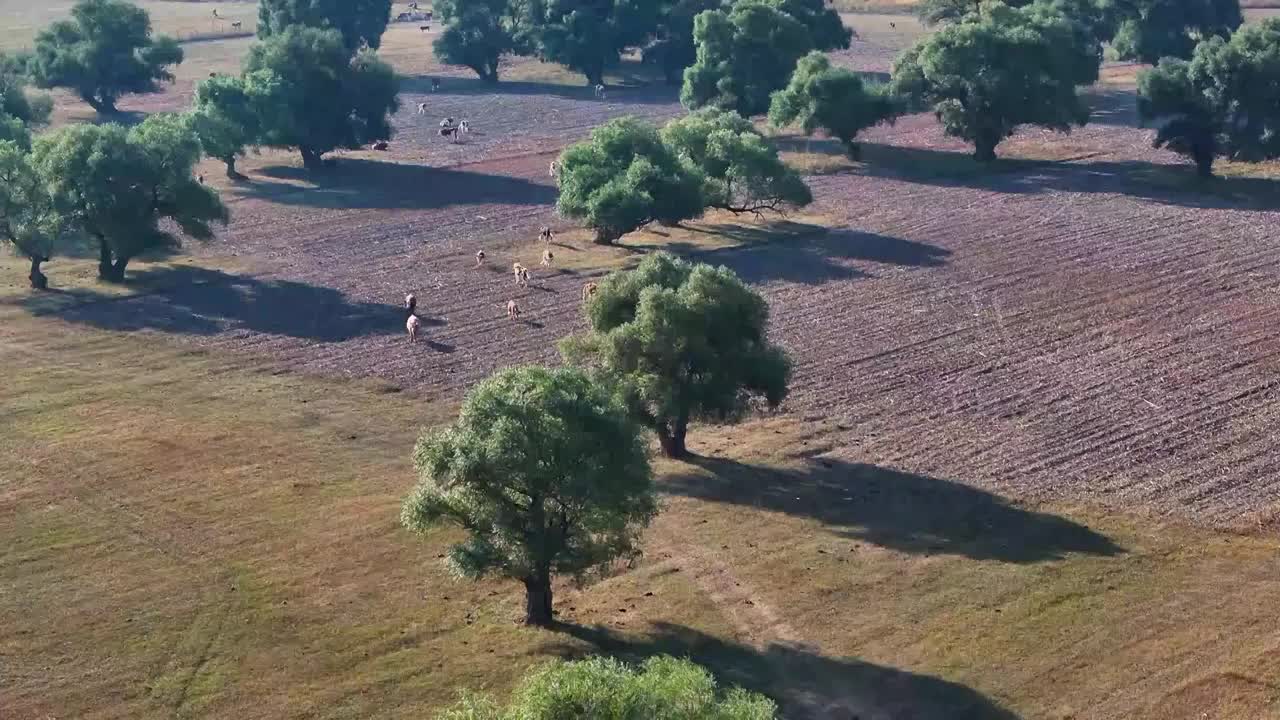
<point x="635" y="89"/>
<point x="198" y="301"/>
<point x="804" y="683"/>
<point x="1115" y="107"/>
<point x="354" y="183"/>
<point x="896" y="510"/>
<point x="804" y="253"/>
<point x="1166" y="184"/>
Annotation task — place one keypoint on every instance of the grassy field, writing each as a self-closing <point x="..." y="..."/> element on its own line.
<point x="192" y="535"/>
<point x="183" y="19"/>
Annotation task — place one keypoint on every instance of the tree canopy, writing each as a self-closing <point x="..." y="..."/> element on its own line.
<point x="624" y="177"/>
<point x="742" y="56"/>
<point x="672" y="48"/>
<point x="1224" y="102"/>
<point x="315" y="97"/>
<point x="477" y="34"/>
<point x="586" y="37"/>
<point x="681" y="342"/>
<point x="105" y="51"/>
<point x="605" y="689"/>
<point x="545" y="472"/>
<point x="360" y="22"/>
<point x="826" y="30"/>
<point x="987" y="74"/>
<point x="1153" y="29"/>
<point x="25" y="109"/>
<point x="740" y="169"/>
<point x="117" y="185"/>
<point x="225" y="116"/>
<point x="833" y="99"/>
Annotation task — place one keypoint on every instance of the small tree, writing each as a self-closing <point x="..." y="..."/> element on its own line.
<point x="833" y="99"/>
<point x="117" y="185"/>
<point x="27" y="219"/>
<point x="624" y="177"/>
<point x="360" y="22"/>
<point x="742" y="57"/>
<point x="16" y="103"/>
<point x="315" y="97"/>
<point x="1153" y="29"/>
<point x="476" y="35"/>
<point x="741" y="170"/>
<point x="545" y="472"/>
<point x="605" y="689"/>
<point x="586" y="37"/>
<point x="225" y="117"/>
<point x="106" y="50"/>
<point x="986" y="75"/>
<point x="681" y="342"/>
<point x="1224" y="102"/>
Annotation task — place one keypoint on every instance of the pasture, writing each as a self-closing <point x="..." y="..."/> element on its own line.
<point x="1024" y="471"/>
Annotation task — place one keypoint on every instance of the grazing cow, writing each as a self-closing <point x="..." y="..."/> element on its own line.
<point x="513" y="310"/>
<point x="447" y="122"/>
<point x="411" y="304"/>
<point x="599" y="92"/>
<point x="424" y="28"/>
<point x="449" y="132"/>
<point x="554" y="169"/>
<point x="412" y="325"/>
<point x="464" y="127"/>
<point x="236" y="25"/>
<point x="413" y="6"/>
<point x="479" y="258"/>
<point x="547" y="257"/>
<point x="435" y="84"/>
<point x="213" y="74"/>
<point x="381" y="145"/>
<point x="893" y="25"/>
<point x="422" y="108"/>
<point x="546" y="235"/>
<point x="522" y="274"/>
<point x="589" y="290"/>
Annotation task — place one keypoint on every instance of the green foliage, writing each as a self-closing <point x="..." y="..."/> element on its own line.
<point x="586" y="37"/>
<point x="833" y="99"/>
<point x="740" y="169"/>
<point x="476" y="35"/>
<point x="117" y="185"/>
<point x="360" y="22"/>
<point x="624" y="177"/>
<point x="225" y="117"/>
<point x="18" y="104"/>
<point x="672" y="47"/>
<point x="605" y="689"/>
<point x="105" y="51"/>
<point x="681" y="342"/>
<point x="1225" y="101"/>
<point x="1153" y="29"/>
<point x="315" y="97"/>
<point x="826" y="30"/>
<point x="988" y="74"/>
<point x="545" y="472"/>
<point x="27" y="219"/>
<point x="742" y="57"/>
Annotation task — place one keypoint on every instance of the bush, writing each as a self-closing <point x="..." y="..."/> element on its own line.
<point x="820" y="96"/>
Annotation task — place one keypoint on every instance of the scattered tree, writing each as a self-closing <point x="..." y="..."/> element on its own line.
<point x="16" y="103"/>
<point x="315" y="97"/>
<point x="681" y="342"/>
<point x="833" y="99"/>
<point x="624" y="177"/>
<point x="361" y="22"/>
<point x="1153" y="29"/>
<point x="477" y="34"/>
<point x="605" y="689"/>
<point x="545" y="472"/>
<point x="27" y="219"/>
<point x="743" y="56"/>
<point x="105" y="51"/>
<point x="826" y="30"/>
<point x="988" y="74"/>
<point x="225" y="117"/>
<point x="672" y="47"/>
<point x="1224" y="102"/>
<point x="586" y="37"/>
<point x="117" y="185"/>
<point x="740" y="169"/>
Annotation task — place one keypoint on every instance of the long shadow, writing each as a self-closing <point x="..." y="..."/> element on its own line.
<point x="635" y="92"/>
<point x="805" y="684"/>
<point x="198" y="301"/>
<point x="897" y="510"/>
<point x="808" y="254"/>
<point x="1116" y="107"/>
<point x="354" y="183"/>
<point x="1171" y="184"/>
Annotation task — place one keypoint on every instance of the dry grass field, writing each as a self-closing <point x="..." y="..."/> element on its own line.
<point x="1025" y="470"/>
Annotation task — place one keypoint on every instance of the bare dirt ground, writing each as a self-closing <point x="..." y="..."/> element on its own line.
<point x="1084" y="328"/>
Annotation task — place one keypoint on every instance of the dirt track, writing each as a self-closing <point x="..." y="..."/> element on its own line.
<point x="1058" y="330"/>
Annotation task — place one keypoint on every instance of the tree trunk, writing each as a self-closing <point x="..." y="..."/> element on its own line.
<point x="38" y="279"/>
<point x="854" y="150"/>
<point x="102" y="106"/>
<point x="311" y="159"/>
<point x="490" y="74"/>
<point x="537" y="605"/>
<point x="104" y="260"/>
<point x="1204" y="161"/>
<point x="118" y="268"/>
<point x="984" y="150"/>
<point x="232" y="173"/>
<point x="672" y="439"/>
<point x="604" y="237"/>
